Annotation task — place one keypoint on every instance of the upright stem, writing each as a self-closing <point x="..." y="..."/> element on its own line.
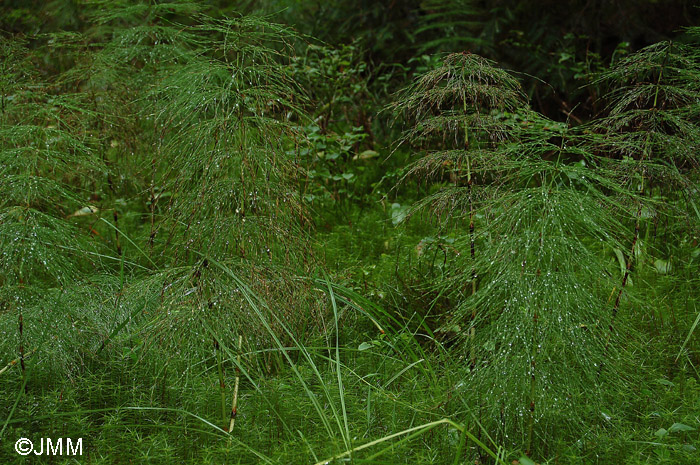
<point x="628" y="268"/>
<point x="533" y="385"/>
<point x="21" y="350"/>
<point x="661" y="73"/>
<point x="638" y="219"/>
<point x="472" y="253"/>
<point x="222" y="385"/>
<point x="533" y="379"/>
<point x="154" y="168"/>
<point x="21" y="333"/>
<point x="152" y="192"/>
<point x="234" y="405"/>
<point x="121" y="270"/>
<point x="635" y="239"/>
<point x="472" y="246"/>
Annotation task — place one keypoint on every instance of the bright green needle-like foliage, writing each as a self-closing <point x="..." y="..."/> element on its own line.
<point x="531" y="278"/>
<point x="49" y="172"/>
<point x="207" y="115"/>
<point x="198" y="231"/>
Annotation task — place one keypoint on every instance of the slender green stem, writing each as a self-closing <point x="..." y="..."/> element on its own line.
<point x="234" y="404"/>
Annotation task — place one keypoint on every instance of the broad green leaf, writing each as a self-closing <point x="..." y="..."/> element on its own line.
<point x="662" y="266"/>
<point x="680" y="427"/>
<point x="365" y="346"/>
<point x="621" y="260"/>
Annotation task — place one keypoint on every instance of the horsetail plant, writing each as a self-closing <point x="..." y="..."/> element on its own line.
<point x="457" y="112"/>
<point x="545" y="222"/>
<point x="49" y="171"/>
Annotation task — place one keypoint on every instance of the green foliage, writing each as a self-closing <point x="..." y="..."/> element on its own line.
<point x="536" y="209"/>
<point x="207" y="221"/>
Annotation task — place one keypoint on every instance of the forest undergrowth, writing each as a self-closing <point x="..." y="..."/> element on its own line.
<point x="230" y="236"/>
